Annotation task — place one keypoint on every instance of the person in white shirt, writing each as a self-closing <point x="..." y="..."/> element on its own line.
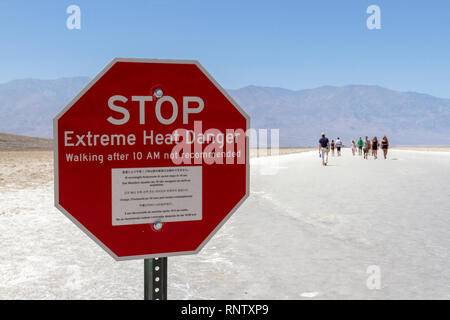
<point x="353" y="147"/>
<point x="366" y="147"/>
<point x="339" y="145"/>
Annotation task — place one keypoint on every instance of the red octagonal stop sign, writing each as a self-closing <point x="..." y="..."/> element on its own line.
<point x="151" y="158"/>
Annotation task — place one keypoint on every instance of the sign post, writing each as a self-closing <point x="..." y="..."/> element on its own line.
<point x="151" y="159"/>
<point x="155" y="279"/>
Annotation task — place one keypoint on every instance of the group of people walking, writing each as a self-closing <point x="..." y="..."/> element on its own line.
<point x="367" y="146"/>
<point x="362" y="147"/>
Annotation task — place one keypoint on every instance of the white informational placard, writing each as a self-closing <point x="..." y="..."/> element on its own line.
<point x="148" y="195"/>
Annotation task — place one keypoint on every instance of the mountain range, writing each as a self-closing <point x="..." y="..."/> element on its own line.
<point x="28" y="106"/>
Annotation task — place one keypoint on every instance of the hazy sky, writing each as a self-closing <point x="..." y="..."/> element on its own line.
<point x="291" y="44"/>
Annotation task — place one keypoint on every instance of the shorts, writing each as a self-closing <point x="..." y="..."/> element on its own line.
<point x="366" y="149"/>
<point x="360" y="148"/>
<point x="338" y="148"/>
<point x="324" y="150"/>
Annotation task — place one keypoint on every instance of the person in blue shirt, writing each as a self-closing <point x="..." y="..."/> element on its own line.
<point x="324" y="148"/>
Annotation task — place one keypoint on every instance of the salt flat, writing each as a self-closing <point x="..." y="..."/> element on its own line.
<point x="306" y="232"/>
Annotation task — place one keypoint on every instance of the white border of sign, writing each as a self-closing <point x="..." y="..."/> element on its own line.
<point x="88" y="86"/>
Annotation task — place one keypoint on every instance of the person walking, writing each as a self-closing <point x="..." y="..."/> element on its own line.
<point x="332" y="147"/>
<point x="339" y="145"/>
<point x="324" y="148"/>
<point x="385" y="146"/>
<point x="366" y="147"/>
<point x="360" y="146"/>
<point x="353" y="147"/>
<point x="375" y="148"/>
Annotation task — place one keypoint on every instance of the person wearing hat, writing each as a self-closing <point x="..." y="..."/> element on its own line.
<point x="324" y="148"/>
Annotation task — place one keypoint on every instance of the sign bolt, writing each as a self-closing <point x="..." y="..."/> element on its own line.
<point x="157" y="225"/>
<point x="158" y="93"/>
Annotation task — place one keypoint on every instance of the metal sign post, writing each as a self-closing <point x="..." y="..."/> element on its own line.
<point x="155" y="279"/>
<point x="107" y="164"/>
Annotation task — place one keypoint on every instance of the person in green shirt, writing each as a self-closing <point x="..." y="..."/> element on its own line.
<point x="360" y="146"/>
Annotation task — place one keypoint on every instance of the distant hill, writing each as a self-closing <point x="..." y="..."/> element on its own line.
<point x="16" y="142"/>
<point x="407" y="118"/>
<point x="27" y="107"/>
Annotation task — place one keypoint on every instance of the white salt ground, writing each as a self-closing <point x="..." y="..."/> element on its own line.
<point x="306" y="232"/>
